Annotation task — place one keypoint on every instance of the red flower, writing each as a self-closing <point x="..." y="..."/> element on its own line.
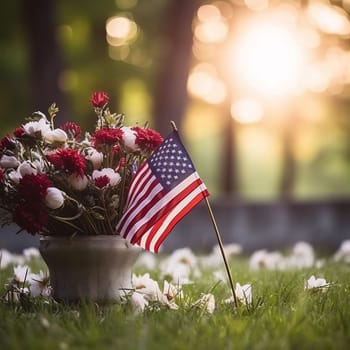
<point x="147" y="138"/>
<point x="69" y="160"/>
<point x="31" y="217"/>
<point x="1" y="175"/>
<point x="7" y="143"/>
<point x="99" y="99"/>
<point x="33" y="188"/>
<point x="19" y="132"/>
<point x="73" y="130"/>
<point x="106" y="136"/>
<point x="102" y="181"/>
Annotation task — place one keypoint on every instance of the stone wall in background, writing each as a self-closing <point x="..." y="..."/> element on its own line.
<point x="263" y="225"/>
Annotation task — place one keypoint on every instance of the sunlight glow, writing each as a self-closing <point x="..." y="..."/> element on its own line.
<point x="268" y="57"/>
<point x="247" y="110"/>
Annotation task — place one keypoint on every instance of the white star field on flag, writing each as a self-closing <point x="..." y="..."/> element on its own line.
<point x="170" y="164"/>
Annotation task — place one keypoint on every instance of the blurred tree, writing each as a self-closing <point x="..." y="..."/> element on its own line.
<point x="43" y="54"/>
<point x="170" y="94"/>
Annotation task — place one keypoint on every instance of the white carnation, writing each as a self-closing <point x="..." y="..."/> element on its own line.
<point x="57" y="135"/>
<point x="54" y="198"/>
<point x="95" y="157"/>
<point x="77" y="182"/>
<point x="114" y="178"/>
<point x="129" y="137"/>
<point x="42" y="125"/>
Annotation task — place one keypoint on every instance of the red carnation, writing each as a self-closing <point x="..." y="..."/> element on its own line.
<point x="30" y="217"/>
<point x="19" y="132"/>
<point x="7" y="143"/>
<point x="73" y="130"/>
<point x="102" y="181"/>
<point x="147" y="138"/>
<point x="68" y="160"/>
<point x="33" y="188"/>
<point x="99" y="99"/>
<point x="106" y="136"/>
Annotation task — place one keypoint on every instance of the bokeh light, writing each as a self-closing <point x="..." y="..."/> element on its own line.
<point x="247" y="110"/>
<point x="120" y="30"/>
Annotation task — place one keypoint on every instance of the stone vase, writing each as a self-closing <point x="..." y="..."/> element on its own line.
<point x="89" y="268"/>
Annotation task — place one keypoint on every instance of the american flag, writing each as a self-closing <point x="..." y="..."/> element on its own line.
<point x="164" y="189"/>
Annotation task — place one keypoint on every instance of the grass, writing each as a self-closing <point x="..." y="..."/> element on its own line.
<point x="283" y="316"/>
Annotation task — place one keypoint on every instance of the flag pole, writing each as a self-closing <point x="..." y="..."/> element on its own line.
<point x="218" y="237"/>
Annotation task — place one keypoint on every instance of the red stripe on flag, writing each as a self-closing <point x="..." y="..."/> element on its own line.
<point x="164" y="209"/>
<point x="165" y="232"/>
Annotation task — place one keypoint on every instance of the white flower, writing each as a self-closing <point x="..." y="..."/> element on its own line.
<point x="262" y="259"/>
<point x="77" y="182"/>
<point x="138" y="302"/>
<point x="31" y="252"/>
<point x="56" y="135"/>
<point x="243" y="294"/>
<point x="149" y="288"/>
<point x="29" y="168"/>
<point x="180" y="265"/>
<point x="5" y="258"/>
<point x="129" y="137"/>
<point x="54" y="198"/>
<point x="39" y="285"/>
<point x="95" y="157"/>
<point x="146" y="260"/>
<point x="206" y="303"/>
<point x="172" y="292"/>
<point x="42" y="126"/>
<point x="229" y="249"/>
<point x="21" y="273"/>
<point x="215" y="259"/>
<point x="114" y="178"/>
<point x="343" y="253"/>
<point x="316" y="283"/>
<point x="303" y="255"/>
<point x="14" y="176"/>
<point x="8" y="161"/>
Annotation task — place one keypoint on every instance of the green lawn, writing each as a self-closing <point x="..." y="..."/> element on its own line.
<point x="282" y="316"/>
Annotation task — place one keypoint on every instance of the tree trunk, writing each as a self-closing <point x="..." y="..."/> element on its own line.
<point x="44" y="59"/>
<point x="288" y="175"/>
<point x="170" y="94"/>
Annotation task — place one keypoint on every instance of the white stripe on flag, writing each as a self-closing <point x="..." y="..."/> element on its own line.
<point x="174" y="212"/>
<point x="157" y="207"/>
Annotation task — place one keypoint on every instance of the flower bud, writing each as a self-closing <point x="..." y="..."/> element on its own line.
<point x="57" y="135"/>
<point x="8" y="161"/>
<point x="77" y="182"/>
<point x="14" y="176"/>
<point x="54" y="198"/>
<point x="95" y="157"/>
<point x="27" y="168"/>
<point x="99" y="99"/>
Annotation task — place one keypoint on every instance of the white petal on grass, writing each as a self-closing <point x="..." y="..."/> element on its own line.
<point x="206" y="303"/>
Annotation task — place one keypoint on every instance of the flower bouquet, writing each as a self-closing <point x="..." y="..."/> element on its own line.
<point x="58" y="181"/>
<point x="71" y="189"/>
